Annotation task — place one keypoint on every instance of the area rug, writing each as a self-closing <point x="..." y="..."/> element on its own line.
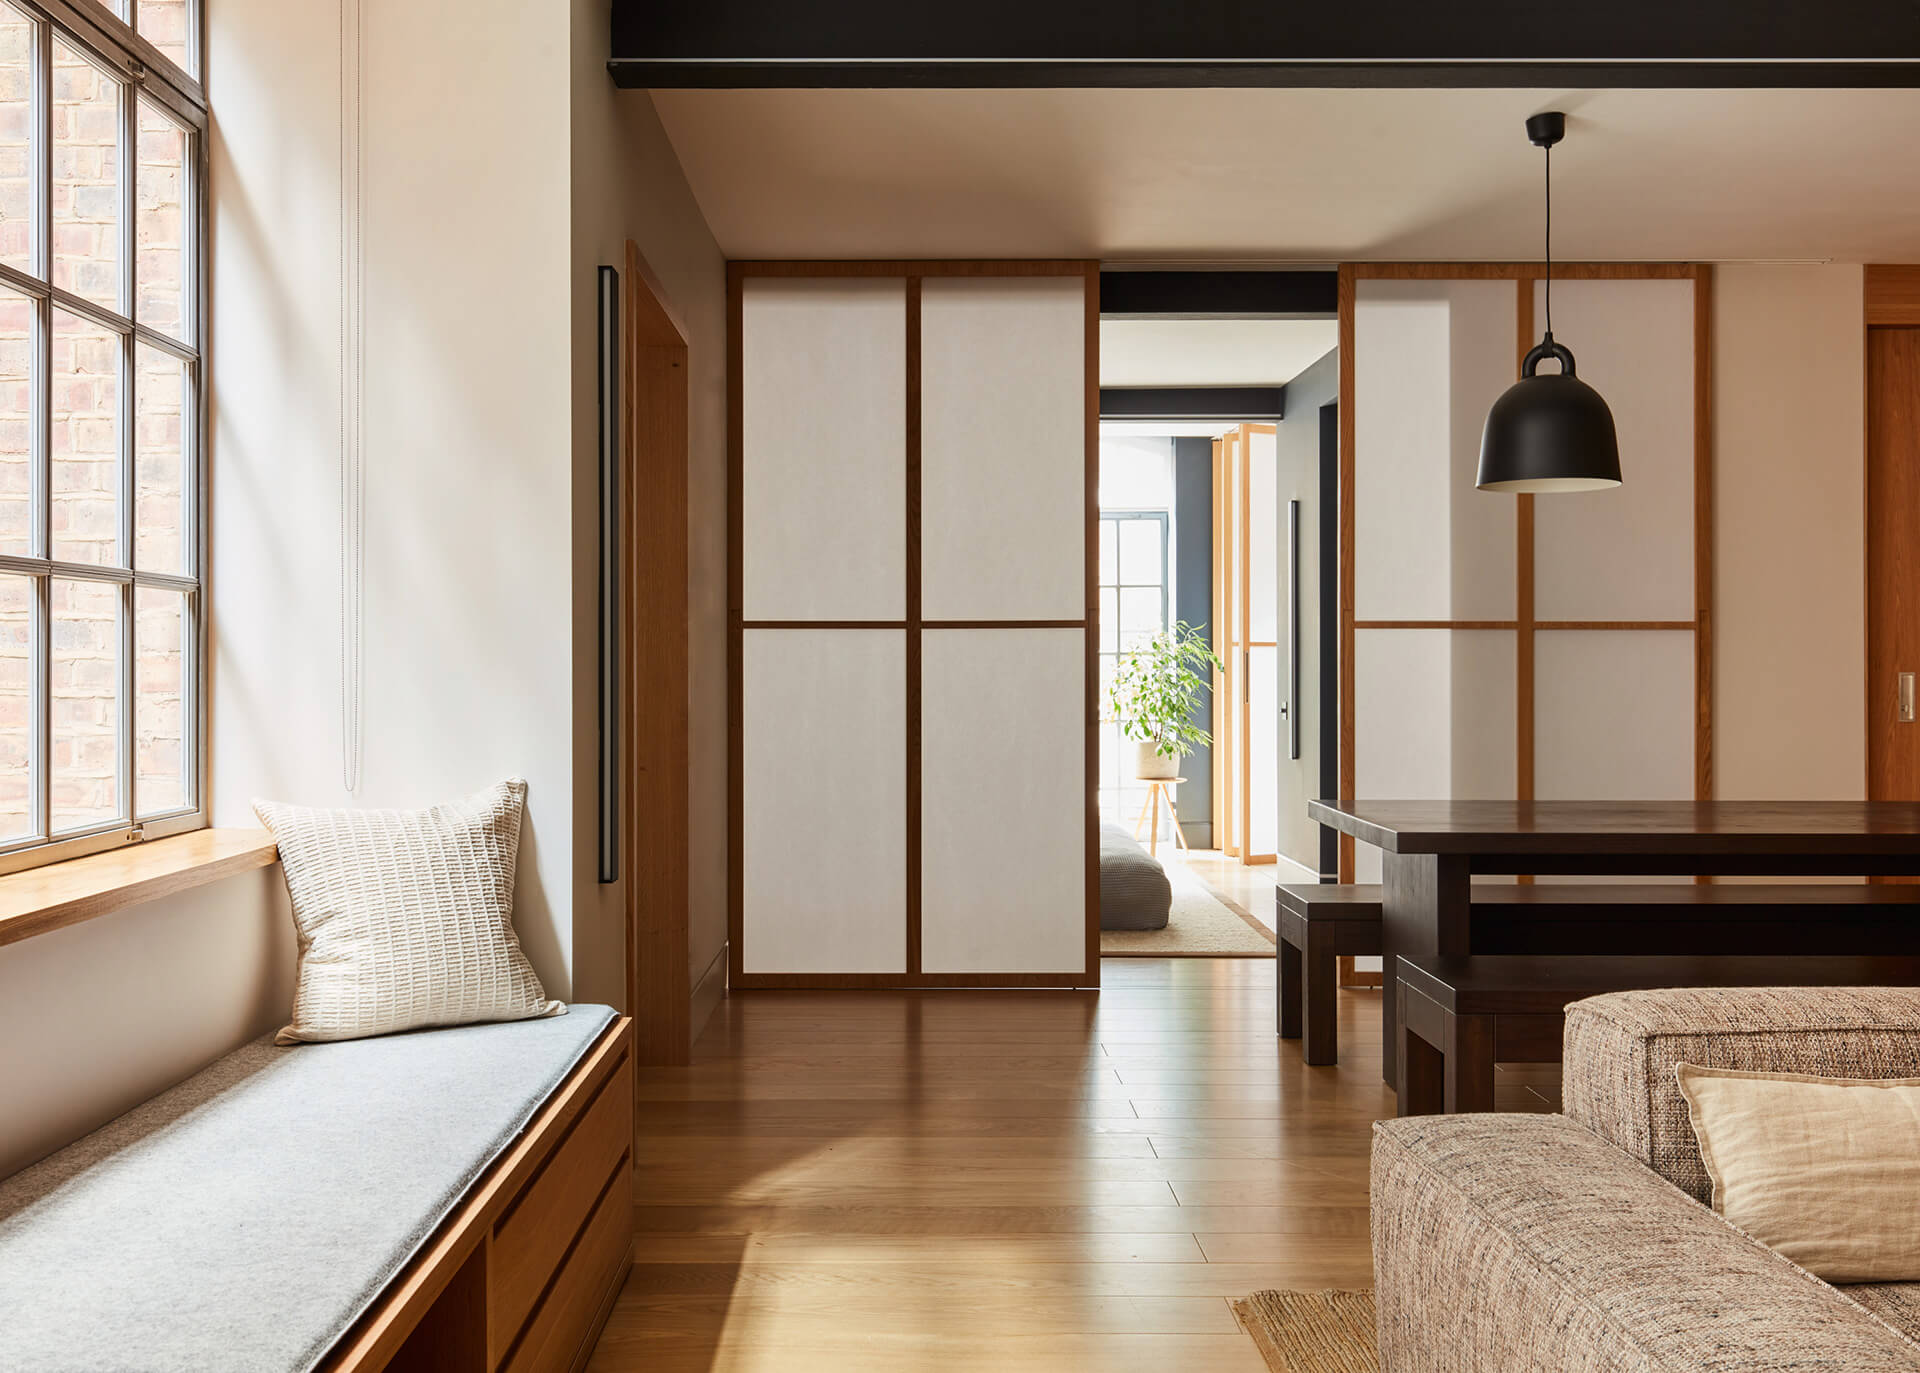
<point x="1200" y="924"/>
<point x="1312" y="1332"/>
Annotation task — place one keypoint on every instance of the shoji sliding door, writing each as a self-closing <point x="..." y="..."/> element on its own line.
<point x="1499" y="646"/>
<point x="1246" y="638"/>
<point x="914" y="450"/>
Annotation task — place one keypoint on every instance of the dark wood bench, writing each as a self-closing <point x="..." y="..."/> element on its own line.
<point x="1318" y="924"/>
<point x="1458" y="1016"/>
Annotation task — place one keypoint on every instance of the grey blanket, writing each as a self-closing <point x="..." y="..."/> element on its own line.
<point x="245" y="1219"/>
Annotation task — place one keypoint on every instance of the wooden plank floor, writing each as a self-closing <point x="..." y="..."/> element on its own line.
<point x="995" y="1180"/>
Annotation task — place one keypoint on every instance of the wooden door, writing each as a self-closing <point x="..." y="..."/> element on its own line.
<point x="1893" y="561"/>
<point x="655" y="685"/>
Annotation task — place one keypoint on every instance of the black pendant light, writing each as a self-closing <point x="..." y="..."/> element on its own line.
<point x="1550" y="431"/>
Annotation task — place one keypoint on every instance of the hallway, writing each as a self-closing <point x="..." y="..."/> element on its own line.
<point x="1005" y="1181"/>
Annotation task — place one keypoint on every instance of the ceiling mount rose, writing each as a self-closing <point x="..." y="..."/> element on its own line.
<point x="1545" y="130"/>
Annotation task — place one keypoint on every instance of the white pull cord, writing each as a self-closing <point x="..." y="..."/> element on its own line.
<point x="352" y="393"/>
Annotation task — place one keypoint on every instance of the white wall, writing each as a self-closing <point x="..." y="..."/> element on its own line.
<point x="98" y="1017"/>
<point x="468" y="675"/>
<point x="1790" y="640"/>
<point x="482" y="230"/>
<point x="627" y="184"/>
<point x="468" y="670"/>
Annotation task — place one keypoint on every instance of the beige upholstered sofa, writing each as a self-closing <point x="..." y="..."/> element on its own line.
<point x="1582" y="1241"/>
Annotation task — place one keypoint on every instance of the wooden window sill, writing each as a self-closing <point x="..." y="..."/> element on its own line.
<point x="61" y="894"/>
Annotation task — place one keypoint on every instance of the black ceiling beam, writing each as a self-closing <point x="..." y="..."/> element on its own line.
<point x="721" y="74"/>
<point x="1246" y="404"/>
<point x="1288" y="294"/>
<point x="1405" y="43"/>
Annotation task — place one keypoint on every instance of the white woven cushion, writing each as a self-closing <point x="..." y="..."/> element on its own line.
<point x="405" y="917"/>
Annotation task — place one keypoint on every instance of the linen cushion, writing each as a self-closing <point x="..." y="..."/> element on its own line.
<point x="1896" y="1303"/>
<point x="1516" y="1243"/>
<point x="405" y="917"/>
<point x="1621" y="1050"/>
<point x="1824" y="1170"/>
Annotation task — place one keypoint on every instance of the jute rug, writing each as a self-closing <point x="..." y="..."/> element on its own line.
<point x="1312" y="1332"/>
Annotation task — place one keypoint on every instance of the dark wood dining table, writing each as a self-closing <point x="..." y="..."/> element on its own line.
<point x="1432" y="850"/>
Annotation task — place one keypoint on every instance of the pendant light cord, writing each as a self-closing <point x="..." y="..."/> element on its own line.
<point x="1549" y="241"/>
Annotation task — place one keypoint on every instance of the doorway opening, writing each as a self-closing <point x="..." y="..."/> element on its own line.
<point x="1214" y="555"/>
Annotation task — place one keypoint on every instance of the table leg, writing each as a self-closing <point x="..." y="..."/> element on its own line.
<point x="1173" y="820"/>
<point x="1153" y="825"/>
<point x="1140" y="821"/>
<point x="1425" y="910"/>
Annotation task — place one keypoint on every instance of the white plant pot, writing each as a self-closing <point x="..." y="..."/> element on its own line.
<point x="1149" y="766"/>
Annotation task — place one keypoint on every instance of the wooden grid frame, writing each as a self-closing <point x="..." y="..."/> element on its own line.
<point x="913" y="272"/>
<point x="1233" y="639"/>
<point x="1525" y="625"/>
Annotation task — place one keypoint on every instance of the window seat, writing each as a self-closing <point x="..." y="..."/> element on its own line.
<point x="67" y="893"/>
<point x="461" y="1197"/>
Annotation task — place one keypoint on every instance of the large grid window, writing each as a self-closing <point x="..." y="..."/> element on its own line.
<point x="101" y="426"/>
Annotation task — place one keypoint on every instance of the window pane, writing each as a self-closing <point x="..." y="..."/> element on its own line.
<point x="1139" y="616"/>
<point x="160" y="263"/>
<point x="1109" y="564"/>
<point x="86" y="441"/>
<point x="1109" y="620"/>
<point x="160" y="624"/>
<point x="16" y="707"/>
<point x="17" y="355"/>
<point x="1140" y="552"/>
<point x="166" y="24"/>
<point x="86" y="178"/>
<point x="16" y="139"/>
<point x="159" y="455"/>
<point x="86" y="703"/>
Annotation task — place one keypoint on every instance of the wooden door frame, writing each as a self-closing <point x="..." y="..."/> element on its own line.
<point x="913" y="273"/>
<point x="654" y="632"/>
<point x="1890" y="299"/>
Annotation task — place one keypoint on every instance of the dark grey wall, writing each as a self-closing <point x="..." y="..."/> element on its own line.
<point x="1193" y="602"/>
<point x="1298" y="478"/>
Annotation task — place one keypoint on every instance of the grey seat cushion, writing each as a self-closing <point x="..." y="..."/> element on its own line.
<point x="1134" y="891"/>
<point x="246" y="1219"/>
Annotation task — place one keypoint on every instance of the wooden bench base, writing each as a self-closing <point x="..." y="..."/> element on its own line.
<point x="1320" y="926"/>
<point x="1458" y="1017"/>
<point x="523" y="1276"/>
<point x="1315" y="927"/>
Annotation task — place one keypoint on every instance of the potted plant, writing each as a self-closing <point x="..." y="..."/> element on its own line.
<point x="1154" y="691"/>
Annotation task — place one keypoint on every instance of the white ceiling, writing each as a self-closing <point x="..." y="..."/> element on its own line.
<point x="1301" y="175"/>
<point x="1211" y="352"/>
<point x="1165" y="429"/>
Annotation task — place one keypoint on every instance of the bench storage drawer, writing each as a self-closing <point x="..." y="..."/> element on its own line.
<point x="592" y="1275"/>
<point x="529" y="1240"/>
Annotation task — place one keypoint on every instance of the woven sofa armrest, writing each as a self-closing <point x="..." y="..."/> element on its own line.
<point x="1513" y="1243"/>
<point x="1621" y="1049"/>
